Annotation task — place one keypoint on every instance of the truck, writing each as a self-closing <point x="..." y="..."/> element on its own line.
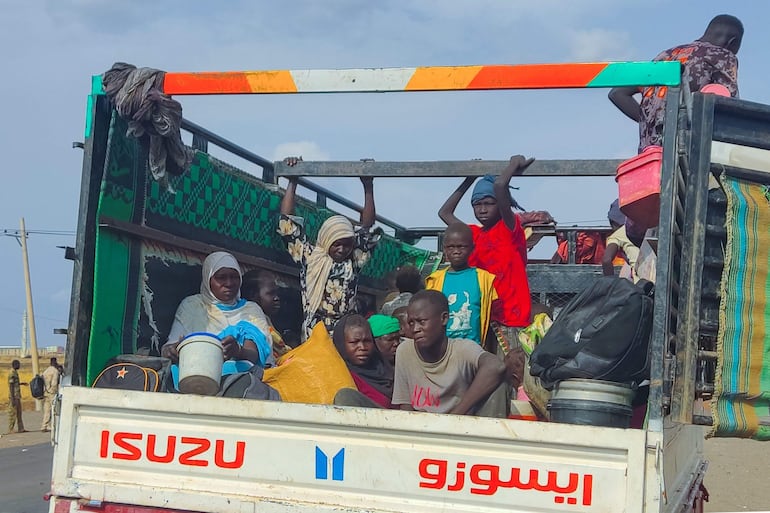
<point x="138" y="252"/>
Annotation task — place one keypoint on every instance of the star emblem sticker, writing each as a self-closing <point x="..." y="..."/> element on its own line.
<point x="122" y="373"/>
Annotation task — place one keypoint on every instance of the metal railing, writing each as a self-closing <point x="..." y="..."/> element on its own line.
<point x="203" y="137"/>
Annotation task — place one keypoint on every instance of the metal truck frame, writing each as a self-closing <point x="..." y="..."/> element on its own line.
<point x="148" y="452"/>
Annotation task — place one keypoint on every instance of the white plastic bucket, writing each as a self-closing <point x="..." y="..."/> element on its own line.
<point x="591" y="402"/>
<point x="200" y="364"/>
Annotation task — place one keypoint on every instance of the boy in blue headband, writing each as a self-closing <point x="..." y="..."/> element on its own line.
<point x="500" y="246"/>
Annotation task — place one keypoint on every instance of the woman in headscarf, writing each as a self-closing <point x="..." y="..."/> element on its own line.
<point x="329" y="268"/>
<point x="387" y="335"/>
<point x="373" y="376"/>
<point x="219" y="309"/>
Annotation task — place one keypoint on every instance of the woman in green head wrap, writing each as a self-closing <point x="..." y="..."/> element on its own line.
<point x="387" y="335"/>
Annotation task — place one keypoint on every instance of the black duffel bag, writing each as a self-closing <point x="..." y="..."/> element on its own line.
<point x="603" y="333"/>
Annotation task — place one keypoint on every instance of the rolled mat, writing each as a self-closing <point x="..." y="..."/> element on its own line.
<point x="741" y="401"/>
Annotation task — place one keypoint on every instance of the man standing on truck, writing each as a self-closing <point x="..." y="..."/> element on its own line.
<point x="708" y="60"/>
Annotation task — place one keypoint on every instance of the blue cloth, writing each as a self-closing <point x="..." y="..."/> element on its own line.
<point x="464" y="295"/>
<point x="228" y="308"/>
<point x="485" y="188"/>
<point x="243" y="331"/>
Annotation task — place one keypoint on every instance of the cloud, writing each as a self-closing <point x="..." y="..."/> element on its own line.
<point x="308" y="150"/>
<point x="600" y="45"/>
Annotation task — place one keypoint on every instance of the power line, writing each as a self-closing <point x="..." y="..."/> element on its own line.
<point x="11" y="232"/>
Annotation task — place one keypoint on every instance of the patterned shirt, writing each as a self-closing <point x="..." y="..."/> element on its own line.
<point x="702" y="63"/>
<point x="342" y="285"/>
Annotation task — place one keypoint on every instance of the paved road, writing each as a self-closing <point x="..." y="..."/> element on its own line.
<point x="25" y="476"/>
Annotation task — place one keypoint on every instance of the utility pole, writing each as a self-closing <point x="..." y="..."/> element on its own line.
<point x="24" y="349"/>
<point x="30" y="310"/>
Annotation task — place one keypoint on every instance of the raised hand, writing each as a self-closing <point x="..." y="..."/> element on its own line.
<point x="292" y="161"/>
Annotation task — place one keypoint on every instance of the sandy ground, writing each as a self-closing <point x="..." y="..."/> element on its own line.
<point x="737" y="478"/>
<point x="32" y="421"/>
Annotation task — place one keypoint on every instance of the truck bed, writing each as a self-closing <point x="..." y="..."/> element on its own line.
<point x="232" y="455"/>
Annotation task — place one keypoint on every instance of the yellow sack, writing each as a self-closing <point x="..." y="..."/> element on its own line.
<point x="311" y="373"/>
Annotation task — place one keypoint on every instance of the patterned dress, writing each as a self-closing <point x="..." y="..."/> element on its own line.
<point x="342" y="284"/>
<point x="702" y="63"/>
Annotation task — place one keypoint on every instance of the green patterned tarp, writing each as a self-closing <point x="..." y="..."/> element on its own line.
<point x="214" y="203"/>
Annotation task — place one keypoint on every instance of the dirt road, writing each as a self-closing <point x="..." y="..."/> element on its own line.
<point x="737" y="476"/>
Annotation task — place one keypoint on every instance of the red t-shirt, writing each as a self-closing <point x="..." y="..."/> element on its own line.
<point x="503" y="253"/>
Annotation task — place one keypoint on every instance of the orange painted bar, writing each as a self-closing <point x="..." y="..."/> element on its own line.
<point x="536" y="76"/>
<point x="426" y="78"/>
<point x="229" y="82"/>
<point x="431" y="78"/>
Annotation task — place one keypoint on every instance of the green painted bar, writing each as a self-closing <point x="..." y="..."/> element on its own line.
<point x="96" y="84"/>
<point x="623" y="74"/>
<point x="96" y="89"/>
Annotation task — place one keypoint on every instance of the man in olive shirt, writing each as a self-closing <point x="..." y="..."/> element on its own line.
<point x="14" y="399"/>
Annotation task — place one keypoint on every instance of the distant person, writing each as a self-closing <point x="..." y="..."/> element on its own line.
<point x="708" y="60"/>
<point x="387" y="335"/>
<point x="51" y="377"/>
<point x="329" y="268"/>
<point x="14" y="399"/>
<point x="241" y="325"/>
<point x="289" y="319"/>
<point x="589" y="248"/>
<point x="500" y="247"/>
<point x="470" y="291"/>
<point x="618" y="243"/>
<point x="441" y="375"/>
<point x="363" y="306"/>
<point x="400" y="313"/>
<point x="261" y="286"/>
<point x="408" y="282"/>
<point x="372" y="375"/>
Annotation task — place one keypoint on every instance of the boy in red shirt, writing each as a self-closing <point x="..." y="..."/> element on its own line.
<point x="500" y="247"/>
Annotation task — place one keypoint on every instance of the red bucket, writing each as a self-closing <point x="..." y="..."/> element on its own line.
<point x="638" y="181"/>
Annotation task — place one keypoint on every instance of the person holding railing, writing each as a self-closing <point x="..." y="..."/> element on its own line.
<point x="329" y="268"/>
<point x="500" y="247"/>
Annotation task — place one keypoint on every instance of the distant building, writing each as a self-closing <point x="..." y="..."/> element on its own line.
<point x="43" y="351"/>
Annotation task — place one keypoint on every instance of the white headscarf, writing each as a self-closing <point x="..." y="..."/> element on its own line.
<point x="200" y="312"/>
<point x="213" y="263"/>
<point x="319" y="263"/>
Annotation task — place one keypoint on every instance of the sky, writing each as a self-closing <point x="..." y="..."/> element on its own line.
<point x="53" y="47"/>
